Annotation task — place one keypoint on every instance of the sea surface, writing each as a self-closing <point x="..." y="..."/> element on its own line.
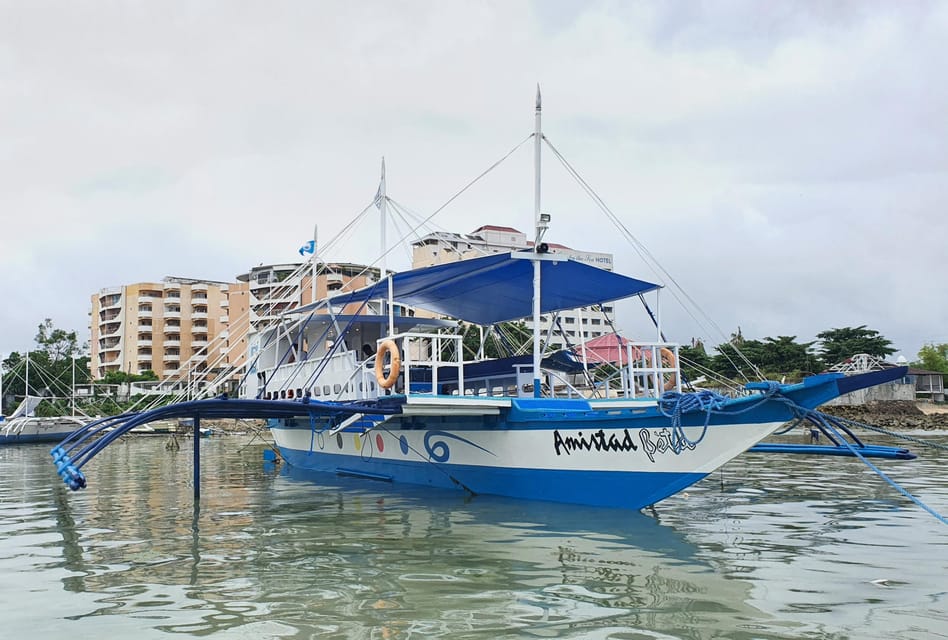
<point x="771" y="546"/>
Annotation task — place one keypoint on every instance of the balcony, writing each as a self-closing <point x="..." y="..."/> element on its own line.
<point x="199" y="286"/>
<point x="171" y="359"/>
<point x="144" y="313"/>
<point x="172" y="294"/>
<point x="199" y="314"/>
<point x="198" y="342"/>
<point x="288" y="297"/>
<point x="172" y="313"/>
<point x="111" y="329"/>
<point x="144" y="327"/>
<point x="172" y="343"/>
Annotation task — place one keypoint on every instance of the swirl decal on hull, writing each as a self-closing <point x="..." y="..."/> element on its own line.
<point x="439" y="451"/>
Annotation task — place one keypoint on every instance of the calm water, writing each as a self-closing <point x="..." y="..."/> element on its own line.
<point x="771" y="547"/>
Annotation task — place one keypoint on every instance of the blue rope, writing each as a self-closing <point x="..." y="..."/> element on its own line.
<point x="673" y="405"/>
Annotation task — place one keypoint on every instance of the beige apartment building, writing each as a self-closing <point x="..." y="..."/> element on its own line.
<point x="579" y="325"/>
<point x="182" y="327"/>
<point x="168" y="327"/>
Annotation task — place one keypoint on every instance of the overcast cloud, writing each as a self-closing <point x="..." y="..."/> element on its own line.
<point x="786" y="162"/>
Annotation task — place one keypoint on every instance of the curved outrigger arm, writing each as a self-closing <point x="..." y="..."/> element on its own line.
<point x="82" y="445"/>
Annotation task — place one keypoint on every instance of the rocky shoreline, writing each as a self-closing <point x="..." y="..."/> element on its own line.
<point x="898" y="415"/>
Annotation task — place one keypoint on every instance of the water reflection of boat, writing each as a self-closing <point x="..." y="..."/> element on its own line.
<point x="559" y="564"/>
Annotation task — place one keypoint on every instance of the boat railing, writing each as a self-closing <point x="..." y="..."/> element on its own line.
<point x="431" y="352"/>
<point x="651" y="369"/>
<point x="558" y="385"/>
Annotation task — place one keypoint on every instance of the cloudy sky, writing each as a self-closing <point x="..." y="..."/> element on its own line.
<point x="786" y="162"/>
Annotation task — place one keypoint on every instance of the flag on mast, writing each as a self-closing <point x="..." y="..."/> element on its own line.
<point x="309" y="247"/>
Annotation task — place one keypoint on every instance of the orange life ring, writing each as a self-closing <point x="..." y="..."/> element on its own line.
<point x="387" y="347"/>
<point x="668" y="355"/>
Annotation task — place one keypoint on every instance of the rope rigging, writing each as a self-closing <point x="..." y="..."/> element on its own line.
<point x="674" y="405"/>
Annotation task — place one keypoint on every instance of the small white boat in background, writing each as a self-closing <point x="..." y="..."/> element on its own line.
<point x="24" y="427"/>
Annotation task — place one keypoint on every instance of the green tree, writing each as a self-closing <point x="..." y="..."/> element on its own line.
<point x="729" y="361"/>
<point x="57" y="344"/>
<point x="933" y="357"/>
<point x="784" y="355"/>
<point x="836" y="345"/>
<point x="694" y="360"/>
<point x="56" y="360"/>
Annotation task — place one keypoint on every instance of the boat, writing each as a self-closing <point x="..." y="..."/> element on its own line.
<point x="22" y="426"/>
<point x="373" y="384"/>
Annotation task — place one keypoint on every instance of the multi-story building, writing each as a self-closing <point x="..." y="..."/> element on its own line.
<point x="180" y="327"/>
<point x="167" y="327"/>
<point x="272" y="290"/>
<point x="578" y="325"/>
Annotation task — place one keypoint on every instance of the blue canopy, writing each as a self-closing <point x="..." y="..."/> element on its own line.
<point x="499" y="287"/>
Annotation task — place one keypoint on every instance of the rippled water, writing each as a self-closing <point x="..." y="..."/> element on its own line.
<point x="770" y="547"/>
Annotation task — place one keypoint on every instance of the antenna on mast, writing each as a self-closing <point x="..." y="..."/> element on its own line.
<point x="380" y="202"/>
<point x="541" y="221"/>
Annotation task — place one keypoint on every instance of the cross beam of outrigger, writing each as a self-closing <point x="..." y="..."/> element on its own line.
<point x="82" y="445"/>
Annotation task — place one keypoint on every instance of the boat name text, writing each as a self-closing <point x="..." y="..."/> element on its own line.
<point x="598" y="441"/>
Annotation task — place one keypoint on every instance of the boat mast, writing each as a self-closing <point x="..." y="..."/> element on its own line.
<point x="382" y="202"/>
<point x="312" y="264"/>
<point x="537" y="356"/>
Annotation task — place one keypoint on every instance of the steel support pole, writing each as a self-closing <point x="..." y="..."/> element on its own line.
<point x="197" y="459"/>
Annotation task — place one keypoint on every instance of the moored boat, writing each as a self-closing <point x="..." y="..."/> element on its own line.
<point x="357" y="385"/>
<point x="23" y="427"/>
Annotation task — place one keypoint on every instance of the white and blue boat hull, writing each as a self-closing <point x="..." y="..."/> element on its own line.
<point x="603" y="461"/>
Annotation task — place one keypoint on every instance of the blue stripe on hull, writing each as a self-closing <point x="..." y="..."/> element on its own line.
<point x="628" y="490"/>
